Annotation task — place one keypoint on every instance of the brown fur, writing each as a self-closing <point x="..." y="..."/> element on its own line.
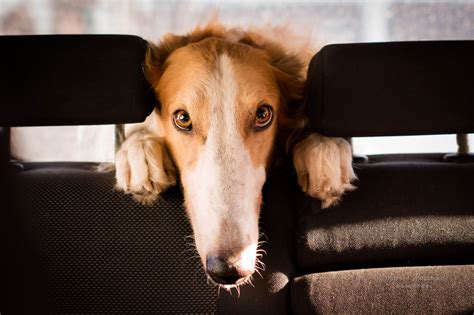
<point x="221" y="77"/>
<point x="289" y="68"/>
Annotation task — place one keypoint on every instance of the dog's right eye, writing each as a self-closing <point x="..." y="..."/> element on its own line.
<point x="263" y="117"/>
<point x="182" y="120"/>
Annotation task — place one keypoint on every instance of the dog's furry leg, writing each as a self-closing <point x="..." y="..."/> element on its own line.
<point x="324" y="167"/>
<point x="143" y="167"/>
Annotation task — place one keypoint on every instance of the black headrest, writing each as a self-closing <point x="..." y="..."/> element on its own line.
<point x="72" y="80"/>
<point x="387" y="89"/>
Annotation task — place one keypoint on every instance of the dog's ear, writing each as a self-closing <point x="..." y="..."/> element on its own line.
<point x="290" y="72"/>
<point x="291" y="80"/>
<point x="293" y="120"/>
<point x="156" y="56"/>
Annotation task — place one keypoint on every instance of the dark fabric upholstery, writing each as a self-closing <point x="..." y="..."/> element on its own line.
<point x="385" y="89"/>
<point x="97" y="251"/>
<point x="100" y="252"/>
<point x="74" y="245"/>
<point x="414" y="290"/>
<point x="73" y="80"/>
<point x="271" y="294"/>
<point x="406" y="211"/>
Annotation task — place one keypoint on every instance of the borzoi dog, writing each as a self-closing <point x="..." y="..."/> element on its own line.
<point x="227" y="98"/>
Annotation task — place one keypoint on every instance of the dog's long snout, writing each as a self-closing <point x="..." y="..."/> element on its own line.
<point x="222" y="271"/>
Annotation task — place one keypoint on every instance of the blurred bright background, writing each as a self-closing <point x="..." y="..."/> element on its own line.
<point x="323" y="21"/>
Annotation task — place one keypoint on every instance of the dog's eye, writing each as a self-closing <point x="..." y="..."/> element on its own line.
<point x="182" y="120"/>
<point x="263" y="116"/>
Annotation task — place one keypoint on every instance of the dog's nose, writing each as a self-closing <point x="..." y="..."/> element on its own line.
<point x="222" y="272"/>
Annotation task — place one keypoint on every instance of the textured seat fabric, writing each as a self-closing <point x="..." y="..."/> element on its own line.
<point x="73" y="80"/>
<point x="100" y="252"/>
<point x="392" y="89"/>
<point x="75" y="245"/>
<point x="405" y="211"/>
<point x="97" y="251"/>
<point x="413" y="290"/>
<point x="270" y="293"/>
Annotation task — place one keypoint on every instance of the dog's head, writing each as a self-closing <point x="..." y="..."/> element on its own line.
<point x="224" y="95"/>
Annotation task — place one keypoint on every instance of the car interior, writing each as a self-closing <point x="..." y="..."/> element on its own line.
<point x="402" y="242"/>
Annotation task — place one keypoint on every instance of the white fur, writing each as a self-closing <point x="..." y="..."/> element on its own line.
<point x="224" y="186"/>
<point x="324" y="167"/>
<point x="143" y="167"/>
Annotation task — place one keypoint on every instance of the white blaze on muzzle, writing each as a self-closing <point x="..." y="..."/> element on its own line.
<point x="223" y="187"/>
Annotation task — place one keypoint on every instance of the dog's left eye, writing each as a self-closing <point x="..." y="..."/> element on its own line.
<point x="263" y="116"/>
<point x="182" y="120"/>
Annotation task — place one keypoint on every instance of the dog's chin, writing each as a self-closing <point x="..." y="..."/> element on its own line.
<point x="228" y="286"/>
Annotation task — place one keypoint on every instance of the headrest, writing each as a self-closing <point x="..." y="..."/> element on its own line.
<point x="72" y="80"/>
<point x="388" y="89"/>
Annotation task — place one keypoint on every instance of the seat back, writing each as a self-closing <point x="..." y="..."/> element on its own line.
<point x="74" y="243"/>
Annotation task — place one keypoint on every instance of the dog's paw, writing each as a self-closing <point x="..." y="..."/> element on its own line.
<point x="324" y="168"/>
<point x="143" y="168"/>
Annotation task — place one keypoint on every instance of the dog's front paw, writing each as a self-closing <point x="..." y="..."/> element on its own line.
<point x="143" y="168"/>
<point x="324" y="168"/>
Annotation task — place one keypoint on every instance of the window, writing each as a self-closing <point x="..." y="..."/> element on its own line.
<point x="323" y="22"/>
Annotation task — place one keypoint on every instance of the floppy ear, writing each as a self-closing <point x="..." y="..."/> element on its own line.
<point x="292" y="86"/>
<point x="290" y="72"/>
<point x="156" y="55"/>
<point x="290" y="68"/>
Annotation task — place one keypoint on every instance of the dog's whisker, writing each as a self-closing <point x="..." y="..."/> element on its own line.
<point x="192" y="245"/>
<point x="249" y="281"/>
<point x="258" y="261"/>
<point x="191" y="254"/>
<point x="198" y="268"/>
<point x="264" y="236"/>
<point x="188" y="250"/>
<point x="260" y="267"/>
<point x="226" y="81"/>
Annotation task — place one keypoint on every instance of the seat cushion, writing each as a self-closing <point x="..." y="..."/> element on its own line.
<point x="97" y="251"/>
<point x="409" y="290"/>
<point x="101" y="252"/>
<point x="407" y="210"/>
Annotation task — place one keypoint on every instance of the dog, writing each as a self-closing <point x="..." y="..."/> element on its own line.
<point x="227" y="99"/>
